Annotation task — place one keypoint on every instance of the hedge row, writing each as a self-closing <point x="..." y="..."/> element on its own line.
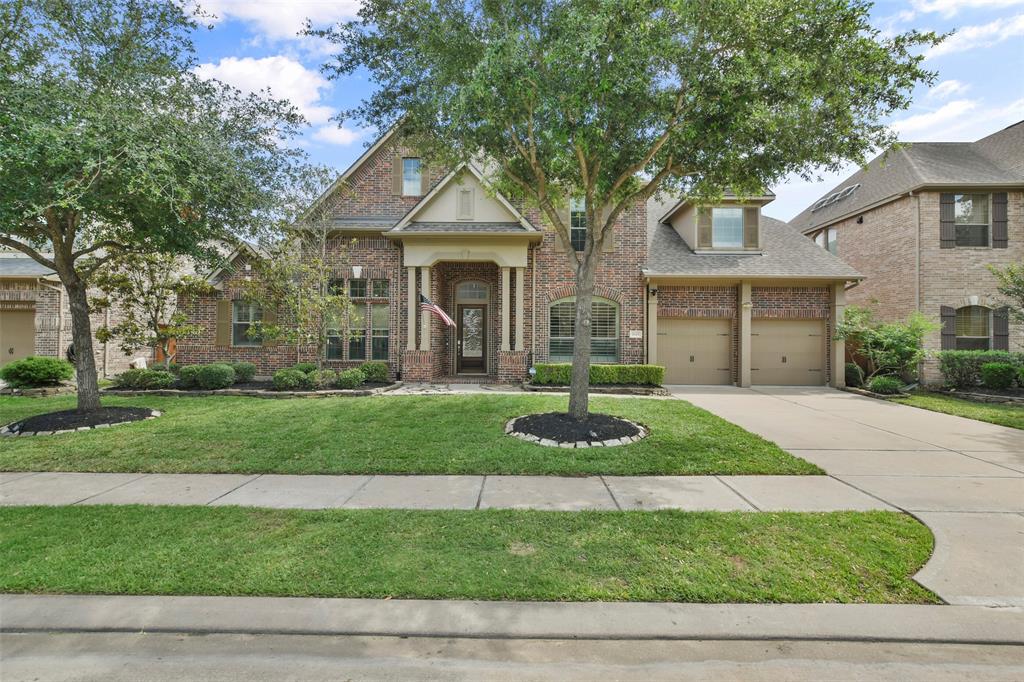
<point x="559" y="374"/>
<point x="962" y="368"/>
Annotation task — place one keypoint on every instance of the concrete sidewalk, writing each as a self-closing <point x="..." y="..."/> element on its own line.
<point x="553" y="493"/>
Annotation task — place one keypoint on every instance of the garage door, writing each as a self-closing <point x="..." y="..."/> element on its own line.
<point x="694" y="351"/>
<point x="17" y="334"/>
<point x="787" y="352"/>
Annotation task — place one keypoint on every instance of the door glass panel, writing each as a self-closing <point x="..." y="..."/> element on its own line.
<point x="472" y="333"/>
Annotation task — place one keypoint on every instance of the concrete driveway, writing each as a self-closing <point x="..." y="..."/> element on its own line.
<point x="963" y="478"/>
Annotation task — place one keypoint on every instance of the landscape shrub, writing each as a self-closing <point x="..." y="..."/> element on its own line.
<point x="998" y="375"/>
<point x="886" y="385"/>
<point x="188" y="376"/>
<point x="323" y="378"/>
<point x="559" y="374"/>
<point x="34" y="372"/>
<point x="244" y="372"/>
<point x="375" y="372"/>
<point x="215" y="376"/>
<point x="1020" y="377"/>
<point x="854" y="375"/>
<point x="144" y="379"/>
<point x="305" y="367"/>
<point x="350" y="378"/>
<point x="886" y="348"/>
<point x="173" y="368"/>
<point x="291" y="379"/>
<point x="962" y="368"/>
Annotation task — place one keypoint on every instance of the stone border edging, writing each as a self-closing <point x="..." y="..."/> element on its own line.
<point x="871" y="394"/>
<point x="39" y="392"/>
<point x="984" y="397"/>
<point x="547" y="442"/>
<point x="601" y="390"/>
<point x="254" y="392"/>
<point x="8" y="432"/>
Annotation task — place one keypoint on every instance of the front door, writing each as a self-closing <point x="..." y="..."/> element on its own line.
<point x="472" y="339"/>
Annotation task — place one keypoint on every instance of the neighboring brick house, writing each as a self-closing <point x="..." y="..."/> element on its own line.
<point x="35" y="318"/>
<point x="922" y="224"/>
<point x="751" y="302"/>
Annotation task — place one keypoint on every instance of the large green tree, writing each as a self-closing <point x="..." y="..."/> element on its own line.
<point x="110" y="144"/>
<point x="612" y="101"/>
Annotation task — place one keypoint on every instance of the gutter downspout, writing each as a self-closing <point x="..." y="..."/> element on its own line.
<point x="917" y="265"/>
<point x="533" y="304"/>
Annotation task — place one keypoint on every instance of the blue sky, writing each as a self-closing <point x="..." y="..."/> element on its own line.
<point x="980" y="88"/>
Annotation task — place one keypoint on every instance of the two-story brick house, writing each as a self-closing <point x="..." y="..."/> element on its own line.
<point x="717" y="294"/>
<point x="922" y="223"/>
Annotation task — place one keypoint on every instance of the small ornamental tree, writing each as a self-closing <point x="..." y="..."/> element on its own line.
<point x="611" y="101"/>
<point x="1010" y="284"/>
<point x="145" y="291"/>
<point x="886" y="347"/>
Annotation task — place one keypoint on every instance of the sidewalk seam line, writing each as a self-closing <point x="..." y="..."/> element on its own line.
<point x="738" y="493"/>
<point x="480" y="493"/>
<point x="228" y="492"/>
<point x="610" y="493"/>
<point x="104" y="492"/>
<point x="355" y="492"/>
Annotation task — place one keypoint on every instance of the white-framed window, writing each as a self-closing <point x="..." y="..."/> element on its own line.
<point x="971" y="217"/>
<point x="357" y="288"/>
<point x="412" y="180"/>
<point x="727" y="228"/>
<point x="334" y="338"/>
<point x="380" y="331"/>
<point x="243" y="315"/>
<point x="973" y="328"/>
<point x="832" y="241"/>
<point x="357" y="333"/>
<point x="578" y="224"/>
<point x="379" y="288"/>
<point x="604" y="330"/>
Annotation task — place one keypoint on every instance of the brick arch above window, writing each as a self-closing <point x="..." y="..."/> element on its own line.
<point x="569" y="291"/>
<point x="980" y="300"/>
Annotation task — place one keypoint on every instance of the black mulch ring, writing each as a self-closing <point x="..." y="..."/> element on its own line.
<point x="561" y="428"/>
<point x="70" y="419"/>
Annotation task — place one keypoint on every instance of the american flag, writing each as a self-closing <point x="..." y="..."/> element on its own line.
<point x="428" y="306"/>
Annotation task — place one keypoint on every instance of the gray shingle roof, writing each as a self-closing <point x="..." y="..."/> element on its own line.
<point x="369" y="223"/>
<point x="463" y="227"/>
<point x="994" y="160"/>
<point x="786" y="253"/>
<point x="16" y="266"/>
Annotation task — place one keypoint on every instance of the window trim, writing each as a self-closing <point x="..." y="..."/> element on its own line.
<point x="987" y="225"/>
<point x="831" y="240"/>
<point x="617" y="307"/>
<point x="255" y="312"/>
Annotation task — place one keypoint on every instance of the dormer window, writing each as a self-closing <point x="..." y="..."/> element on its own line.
<point x="727" y="228"/>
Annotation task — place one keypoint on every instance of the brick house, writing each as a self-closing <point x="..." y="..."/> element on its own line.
<point x="922" y="224"/>
<point x="35" y="318"/>
<point x="717" y="294"/>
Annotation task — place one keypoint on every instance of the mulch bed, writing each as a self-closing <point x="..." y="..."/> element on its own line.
<point x="68" y="420"/>
<point x="561" y="428"/>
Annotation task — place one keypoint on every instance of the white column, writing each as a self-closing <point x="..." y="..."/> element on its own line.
<point x="425" y="318"/>
<point x="505" y="302"/>
<point x="520" y="310"/>
<point x="745" y="317"/>
<point x="410" y="343"/>
<point x="838" y="349"/>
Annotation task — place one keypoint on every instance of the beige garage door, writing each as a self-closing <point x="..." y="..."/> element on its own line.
<point x="787" y="352"/>
<point x="694" y="351"/>
<point x="17" y="334"/>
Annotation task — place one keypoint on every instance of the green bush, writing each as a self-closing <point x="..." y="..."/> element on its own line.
<point x="350" y="378"/>
<point x="376" y="372"/>
<point x="173" y="368"/>
<point x="244" y="372"/>
<point x="206" y="377"/>
<point x="998" y="375"/>
<point x="559" y="374"/>
<point x="291" y="379"/>
<point x="962" y="368"/>
<point x="34" y="371"/>
<point x="305" y="367"/>
<point x="188" y="376"/>
<point x="854" y="375"/>
<point x="1020" y="377"/>
<point x="886" y="385"/>
<point x="323" y="378"/>
<point x="144" y="379"/>
<point x="893" y="348"/>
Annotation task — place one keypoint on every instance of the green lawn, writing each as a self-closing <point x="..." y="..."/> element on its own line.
<point x="1004" y="415"/>
<point x="385" y="435"/>
<point x="490" y="555"/>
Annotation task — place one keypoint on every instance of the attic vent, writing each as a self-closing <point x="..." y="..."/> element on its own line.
<point x="464" y="210"/>
<point x="835" y="197"/>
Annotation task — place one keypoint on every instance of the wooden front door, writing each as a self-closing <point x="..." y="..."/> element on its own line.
<point x="472" y="339"/>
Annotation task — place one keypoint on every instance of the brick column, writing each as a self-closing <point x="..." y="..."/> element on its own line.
<point x="744" y="320"/>
<point x="425" y="319"/>
<point x="838" y="348"/>
<point x="505" y="303"/>
<point x="520" y="309"/>
<point x="410" y="342"/>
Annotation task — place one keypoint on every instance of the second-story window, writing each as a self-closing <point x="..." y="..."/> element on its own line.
<point x="412" y="180"/>
<point x="832" y="241"/>
<point x="727" y="228"/>
<point x="578" y="224"/>
<point x="971" y="216"/>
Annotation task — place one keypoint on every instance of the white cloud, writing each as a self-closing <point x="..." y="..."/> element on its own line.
<point x="285" y="77"/>
<point x="924" y="124"/>
<point x="335" y="135"/>
<point x="948" y="8"/>
<point x="986" y="35"/>
<point x="958" y="121"/>
<point x="282" y="19"/>
<point x="947" y="89"/>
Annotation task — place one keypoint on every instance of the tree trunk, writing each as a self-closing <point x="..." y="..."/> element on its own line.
<point x="81" y="335"/>
<point x="579" y="387"/>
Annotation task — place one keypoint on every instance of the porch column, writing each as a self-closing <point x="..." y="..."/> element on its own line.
<point x="425" y="319"/>
<point x="838" y="348"/>
<point x="652" y="325"/>
<point x="410" y="342"/>
<point x="520" y="310"/>
<point x="744" y="321"/>
<point x="505" y="303"/>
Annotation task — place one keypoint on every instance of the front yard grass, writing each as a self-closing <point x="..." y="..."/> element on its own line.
<point x="995" y="413"/>
<point x="384" y="435"/>
<point x="498" y="554"/>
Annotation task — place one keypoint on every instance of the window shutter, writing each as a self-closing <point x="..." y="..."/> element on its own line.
<point x="424" y="178"/>
<point x="396" y="175"/>
<point x="947" y="226"/>
<point x="269" y="317"/>
<point x="1000" y="234"/>
<point x="223" y="323"/>
<point x="1001" y="329"/>
<point x="948" y="316"/>
<point x="609" y="240"/>
<point x="703" y="228"/>
<point x="750" y="228"/>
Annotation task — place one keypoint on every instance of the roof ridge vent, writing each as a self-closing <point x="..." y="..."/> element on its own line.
<point x="835" y="197"/>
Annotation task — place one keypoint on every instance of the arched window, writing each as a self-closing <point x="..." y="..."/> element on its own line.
<point x="973" y="328"/>
<point x="604" y="330"/>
